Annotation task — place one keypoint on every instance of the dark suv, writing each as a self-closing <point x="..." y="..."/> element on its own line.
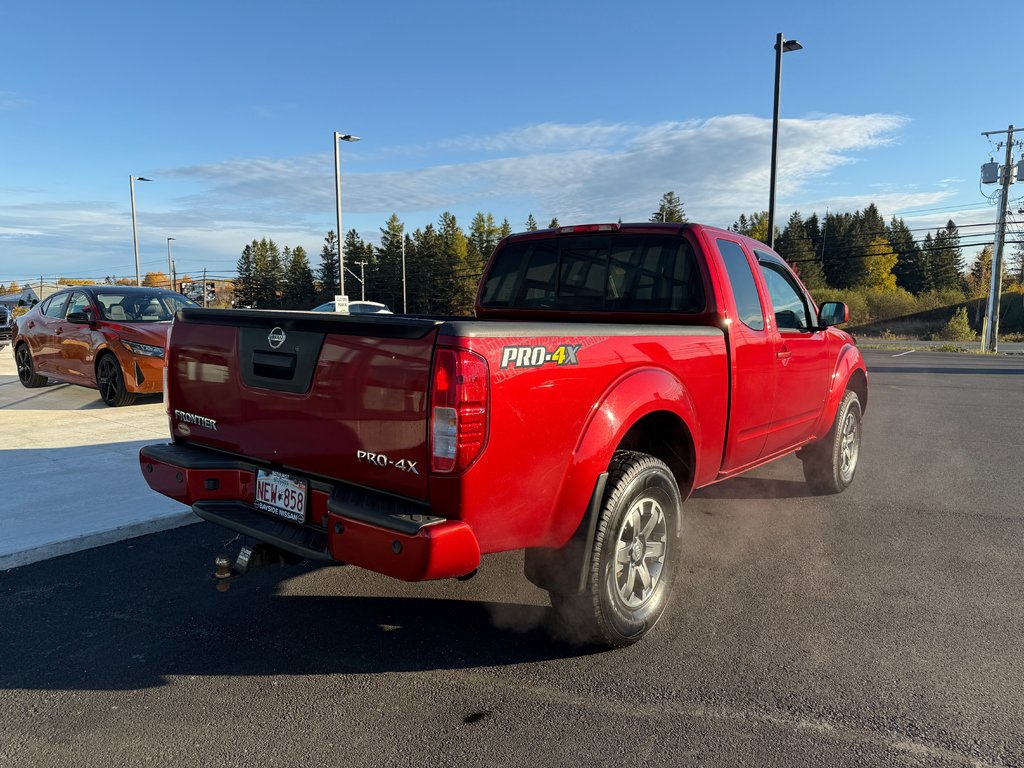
<point x="6" y="324"/>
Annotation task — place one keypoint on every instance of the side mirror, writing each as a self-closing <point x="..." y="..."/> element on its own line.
<point x="85" y="317"/>
<point x="833" y="313"/>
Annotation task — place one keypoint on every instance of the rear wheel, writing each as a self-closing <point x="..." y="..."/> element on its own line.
<point x="26" y="368"/>
<point x="830" y="463"/>
<point x="634" y="558"/>
<point x="110" y="381"/>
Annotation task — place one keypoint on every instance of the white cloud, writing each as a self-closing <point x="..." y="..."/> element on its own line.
<point x="587" y="172"/>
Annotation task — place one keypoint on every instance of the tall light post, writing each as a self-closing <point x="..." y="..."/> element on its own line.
<point x="170" y="267"/>
<point x="782" y="45"/>
<point x="337" y="186"/>
<point x="135" y="229"/>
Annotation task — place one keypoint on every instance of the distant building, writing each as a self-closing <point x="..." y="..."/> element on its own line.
<point x="29" y="295"/>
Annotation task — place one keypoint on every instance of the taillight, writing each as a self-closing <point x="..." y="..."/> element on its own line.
<point x="458" y="409"/>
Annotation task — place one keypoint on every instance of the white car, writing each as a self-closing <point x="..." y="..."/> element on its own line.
<point x="358" y="308"/>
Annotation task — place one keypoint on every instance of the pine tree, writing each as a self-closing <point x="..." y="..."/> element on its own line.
<point x="266" y="271"/>
<point x="795" y="247"/>
<point x="947" y="261"/>
<point x="506" y="228"/>
<point x="483" y="236"/>
<point x="298" y="291"/>
<point x="327" y="274"/>
<point x="355" y="253"/>
<point x="670" y="209"/>
<point x="554" y="223"/>
<point x="756" y="226"/>
<point x="423" y="273"/>
<point x="839" y="250"/>
<point x="531" y="223"/>
<point x="244" y="284"/>
<point x="460" y="277"/>
<point x="910" y="268"/>
<point x="384" y="283"/>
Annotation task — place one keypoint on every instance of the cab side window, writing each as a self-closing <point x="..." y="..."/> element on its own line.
<point x="788" y="301"/>
<point x="748" y="302"/>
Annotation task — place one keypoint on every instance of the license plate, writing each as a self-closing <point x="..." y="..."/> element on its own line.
<point x="281" y="495"/>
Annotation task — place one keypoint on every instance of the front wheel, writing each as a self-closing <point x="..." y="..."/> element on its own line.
<point x="830" y="463"/>
<point x="110" y="381"/>
<point x="634" y="557"/>
<point x="26" y="368"/>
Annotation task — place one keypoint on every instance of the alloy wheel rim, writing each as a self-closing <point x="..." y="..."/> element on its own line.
<point x="640" y="549"/>
<point x="24" y="362"/>
<point x="107" y="380"/>
<point x="849" y="445"/>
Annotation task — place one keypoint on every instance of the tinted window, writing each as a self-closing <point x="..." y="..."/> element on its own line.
<point x="79" y="302"/>
<point x="139" y="306"/>
<point x="787" y="301"/>
<point x="618" y="273"/>
<point x="748" y="303"/>
<point x="55" y="306"/>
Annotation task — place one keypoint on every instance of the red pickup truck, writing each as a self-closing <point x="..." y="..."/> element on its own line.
<point x="610" y="370"/>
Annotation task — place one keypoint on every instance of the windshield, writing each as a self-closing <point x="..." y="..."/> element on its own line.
<point x="136" y="307"/>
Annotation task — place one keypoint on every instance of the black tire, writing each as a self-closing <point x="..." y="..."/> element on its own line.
<point x="110" y="381"/>
<point x="629" y="582"/>
<point x="27" y="369"/>
<point x="830" y="463"/>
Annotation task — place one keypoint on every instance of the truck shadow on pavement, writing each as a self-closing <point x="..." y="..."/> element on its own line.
<point x="132" y="615"/>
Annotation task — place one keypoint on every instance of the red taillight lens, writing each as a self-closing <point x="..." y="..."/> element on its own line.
<point x="458" y="409"/>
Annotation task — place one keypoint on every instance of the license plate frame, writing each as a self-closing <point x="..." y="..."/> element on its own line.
<point x="281" y="495"/>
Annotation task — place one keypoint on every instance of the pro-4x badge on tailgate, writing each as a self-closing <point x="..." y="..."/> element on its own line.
<point x="535" y="357"/>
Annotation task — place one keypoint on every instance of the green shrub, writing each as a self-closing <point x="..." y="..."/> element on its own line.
<point x="957" y="329"/>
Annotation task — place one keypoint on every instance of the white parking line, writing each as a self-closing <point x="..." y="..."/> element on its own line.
<point x="901" y="354"/>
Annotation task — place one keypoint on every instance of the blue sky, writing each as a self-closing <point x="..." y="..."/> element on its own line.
<point x="587" y="111"/>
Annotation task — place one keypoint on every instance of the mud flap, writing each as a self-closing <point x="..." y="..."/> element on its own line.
<point x="565" y="570"/>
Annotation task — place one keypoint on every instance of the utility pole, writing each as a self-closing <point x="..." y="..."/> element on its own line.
<point x="996" y="284"/>
<point x="405" y="310"/>
<point x="362" y="278"/>
<point x="204" y="286"/>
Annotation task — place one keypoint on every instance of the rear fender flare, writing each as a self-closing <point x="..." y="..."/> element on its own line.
<point x="630" y="398"/>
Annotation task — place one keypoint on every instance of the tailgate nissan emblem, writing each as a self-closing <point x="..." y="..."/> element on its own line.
<point x="276" y="338"/>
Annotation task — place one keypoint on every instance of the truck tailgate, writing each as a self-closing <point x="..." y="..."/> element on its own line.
<point x="323" y="395"/>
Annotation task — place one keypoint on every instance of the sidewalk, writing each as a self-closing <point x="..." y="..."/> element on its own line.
<point x="70" y="470"/>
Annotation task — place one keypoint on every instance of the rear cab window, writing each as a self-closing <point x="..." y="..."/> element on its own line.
<point x="613" y="273"/>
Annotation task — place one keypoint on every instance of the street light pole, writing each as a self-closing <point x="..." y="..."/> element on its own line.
<point x="135" y="229"/>
<point x="405" y="310"/>
<point x="170" y="266"/>
<point x="337" y="188"/>
<point x="781" y="46"/>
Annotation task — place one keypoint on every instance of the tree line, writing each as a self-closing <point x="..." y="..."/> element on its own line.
<point x="443" y="262"/>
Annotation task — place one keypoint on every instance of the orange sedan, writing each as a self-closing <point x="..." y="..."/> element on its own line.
<point x="108" y="337"/>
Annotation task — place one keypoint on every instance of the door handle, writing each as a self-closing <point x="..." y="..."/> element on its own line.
<point x="59" y="331"/>
<point x="784" y="355"/>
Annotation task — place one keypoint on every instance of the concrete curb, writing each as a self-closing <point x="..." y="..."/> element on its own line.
<point x="97" y="539"/>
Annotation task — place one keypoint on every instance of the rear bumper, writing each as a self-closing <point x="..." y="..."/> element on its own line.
<point x="387" y="535"/>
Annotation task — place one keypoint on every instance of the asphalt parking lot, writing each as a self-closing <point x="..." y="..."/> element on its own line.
<point x="878" y="627"/>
